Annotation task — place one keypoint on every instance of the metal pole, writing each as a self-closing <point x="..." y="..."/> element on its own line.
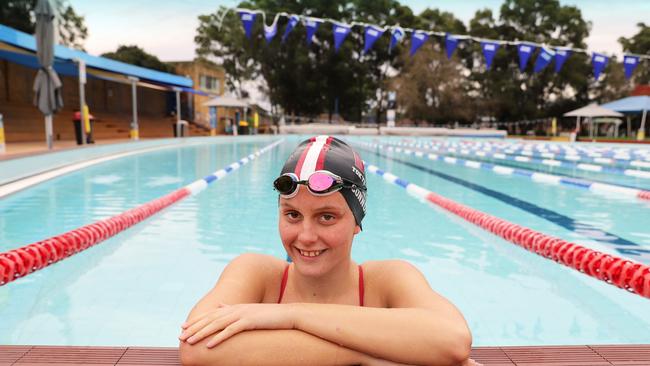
<point x="178" y="112"/>
<point x="641" y="134"/>
<point x="3" y="148"/>
<point x="629" y="127"/>
<point x="135" y="133"/>
<point x="82" y="99"/>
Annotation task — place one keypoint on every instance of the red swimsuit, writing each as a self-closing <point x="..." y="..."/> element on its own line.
<point x="285" y="276"/>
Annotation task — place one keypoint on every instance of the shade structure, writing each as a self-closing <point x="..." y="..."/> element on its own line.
<point x="593" y="110"/>
<point x="635" y="104"/>
<point x="226" y="101"/>
<point x="47" y="85"/>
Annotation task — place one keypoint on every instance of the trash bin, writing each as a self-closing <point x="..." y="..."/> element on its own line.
<point x="76" y="120"/>
<point x="183" y="128"/>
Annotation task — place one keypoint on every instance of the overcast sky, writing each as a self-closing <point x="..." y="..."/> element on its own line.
<point x="166" y="28"/>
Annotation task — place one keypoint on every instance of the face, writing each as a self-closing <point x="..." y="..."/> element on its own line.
<point x="317" y="231"/>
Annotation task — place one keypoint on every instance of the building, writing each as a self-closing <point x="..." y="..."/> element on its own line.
<point x="209" y="81"/>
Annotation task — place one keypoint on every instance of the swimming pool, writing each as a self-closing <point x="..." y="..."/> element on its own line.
<point x="136" y="288"/>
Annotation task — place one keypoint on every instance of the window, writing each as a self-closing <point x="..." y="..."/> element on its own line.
<point x="209" y="83"/>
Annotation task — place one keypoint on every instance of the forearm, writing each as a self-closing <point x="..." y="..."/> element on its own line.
<point x="406" y="335"/>
<point x="270" y="347"/>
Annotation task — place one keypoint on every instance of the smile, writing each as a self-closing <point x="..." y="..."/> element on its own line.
<point x="311" y="253"/>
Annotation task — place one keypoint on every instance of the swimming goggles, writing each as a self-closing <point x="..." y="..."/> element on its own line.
<point x="319" y="183"/>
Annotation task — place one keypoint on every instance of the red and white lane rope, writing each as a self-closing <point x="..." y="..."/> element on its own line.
<point x="632" y="276"/>
<point x="22" y="261"/>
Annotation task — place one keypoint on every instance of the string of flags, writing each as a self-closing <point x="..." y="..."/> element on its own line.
<point x="489" y="47"/>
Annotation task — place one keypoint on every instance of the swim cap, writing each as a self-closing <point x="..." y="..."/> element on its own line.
<point x="334" y="155"/>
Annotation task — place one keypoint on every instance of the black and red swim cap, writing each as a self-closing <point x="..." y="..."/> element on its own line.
<point x="334" y="155"/>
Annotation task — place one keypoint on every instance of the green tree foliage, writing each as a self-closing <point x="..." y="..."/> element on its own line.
<point x="639" y="44"/>
<point x="19" y="14"/>
<point x="135" y="55"/>
<point x="308" y="80"/>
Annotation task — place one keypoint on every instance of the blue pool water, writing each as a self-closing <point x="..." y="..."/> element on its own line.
<point x="137" y="287"/>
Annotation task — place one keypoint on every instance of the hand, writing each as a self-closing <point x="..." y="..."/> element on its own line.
<point x="228" y="320"/>
<point x="471" y="362"/>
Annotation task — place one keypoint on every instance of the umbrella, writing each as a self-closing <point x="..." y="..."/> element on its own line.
<point x="47" y="85"/>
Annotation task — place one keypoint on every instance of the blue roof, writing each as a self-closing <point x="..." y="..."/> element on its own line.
<point x="630" y="104"/>
<point x="65" y="55"/>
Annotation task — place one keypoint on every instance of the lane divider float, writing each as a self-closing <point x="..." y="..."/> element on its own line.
<point x="625" y="274"/>
<point x="535" y="176"/>
<point x="22" y="261"/>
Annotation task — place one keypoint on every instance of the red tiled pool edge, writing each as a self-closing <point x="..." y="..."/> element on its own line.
<point x="606" y="355"/>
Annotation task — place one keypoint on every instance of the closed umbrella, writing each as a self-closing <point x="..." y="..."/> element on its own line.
<point x="47" y="85"/>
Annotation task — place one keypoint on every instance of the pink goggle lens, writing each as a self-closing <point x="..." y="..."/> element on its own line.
<point x="319" y="182"/>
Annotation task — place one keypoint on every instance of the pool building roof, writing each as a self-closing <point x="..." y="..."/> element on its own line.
<point x="20" y="47"/>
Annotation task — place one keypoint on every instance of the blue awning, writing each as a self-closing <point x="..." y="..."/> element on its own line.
<point x="65" y="57"/>
<point x="636" y="104"/>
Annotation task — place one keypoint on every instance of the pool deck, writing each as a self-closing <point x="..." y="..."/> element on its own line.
<point x="23" y="149"/>
<point x="618" y="355"/>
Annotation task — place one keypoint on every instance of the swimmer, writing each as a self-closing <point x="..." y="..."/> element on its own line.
<point x="322" y="308"/>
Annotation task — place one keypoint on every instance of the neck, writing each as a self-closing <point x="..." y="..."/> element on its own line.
<point x="329" y="287"/>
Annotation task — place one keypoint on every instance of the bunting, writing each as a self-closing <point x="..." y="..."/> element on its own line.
<point x="451" y="43"/>
<point x="417" y="40"/>
<point x="247" y="19"/>
<point x="293" y="21"/>
<point x="312" y="26"/>
<point x="341" y="31"/>
<point x="395" y="37"/>
<point x="599" y="62"/>
<point x="543" y="59"/>
<point x="270" y="31"/>
<point x="630" y="63"/>
<point x="489" y="50"/>
<point x="524" y="50"/>
<point x="561" y="55"/>
<point x="419" y="37"/>
<point x="372" y="34"/>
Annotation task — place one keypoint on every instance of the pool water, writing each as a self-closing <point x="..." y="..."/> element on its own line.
<point x="137" y="287"/>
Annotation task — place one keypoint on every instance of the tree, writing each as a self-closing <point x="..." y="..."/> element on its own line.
<point x="19" y="14"/>
<point x="639" y="44"/>
<point x="308" y="80"/>
<point x="135" y="55"/>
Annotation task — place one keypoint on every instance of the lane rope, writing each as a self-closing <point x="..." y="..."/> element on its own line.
<point x="623" y="273"/>
<point x="535" y="176"/>
<point x="22" y="261"/>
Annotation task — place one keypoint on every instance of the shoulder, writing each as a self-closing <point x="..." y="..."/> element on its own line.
<point x="250" y="276"/>
<point x="396" y="282"/>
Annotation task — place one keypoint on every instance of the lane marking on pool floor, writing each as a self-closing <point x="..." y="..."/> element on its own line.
<point x="22" y="261"/>
<point x="621" y="245"/>
<point x="12" y="187"/>
<point x="623" y="273"/>
<point x="591" y="185"/>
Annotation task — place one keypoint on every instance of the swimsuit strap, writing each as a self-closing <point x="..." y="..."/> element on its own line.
<point x="285" y="277"/>
<point x="361" y="289"/>
<point x="283" y="284"/>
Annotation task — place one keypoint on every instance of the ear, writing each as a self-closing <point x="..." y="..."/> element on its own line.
<point x="357" y="229"/>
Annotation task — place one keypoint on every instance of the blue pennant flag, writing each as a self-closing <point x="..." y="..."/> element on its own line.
<point x="270" y="31"/>
<point x="372" y="35"/>
<point x="395" y="37"/>
<point x="489" y="50"/>
<point x="293" y="21"/>
<point x="525" y="50"/>
<point x="630" y="63"/>
<point x="451" y="43"/>
<point x="560" y="57"/>
<point x="599" y="61"/>
<point x="340" y="32"/>
<point x="247" y="19"/>
<point x="417" y="40"/>
<point x="312" y="26"/>
<point x="543" y="59"/>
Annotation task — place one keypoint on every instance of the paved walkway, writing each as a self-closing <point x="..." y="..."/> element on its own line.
<point x="22" y="149"/>
<point x="619" y="355"/>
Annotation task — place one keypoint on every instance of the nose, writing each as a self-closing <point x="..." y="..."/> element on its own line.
<point x="308" y="233"/>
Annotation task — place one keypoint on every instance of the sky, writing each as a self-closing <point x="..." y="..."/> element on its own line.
<point x="166" y="28"/>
